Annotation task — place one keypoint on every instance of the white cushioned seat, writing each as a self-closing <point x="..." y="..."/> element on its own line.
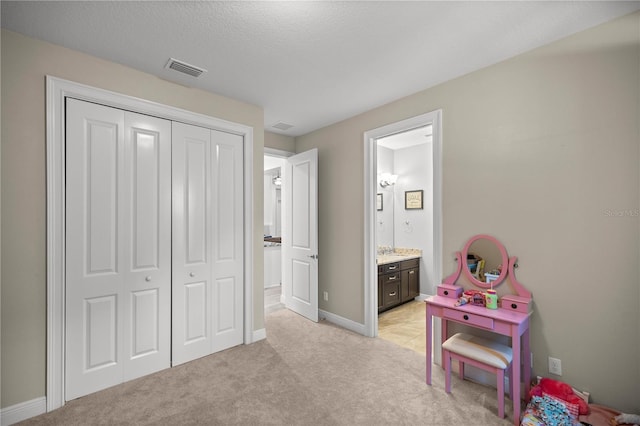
<point x="481" y="353"/>
<point x="482" y="350"/>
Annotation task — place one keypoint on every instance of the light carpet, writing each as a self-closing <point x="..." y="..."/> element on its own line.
<point x="304" y="373"/>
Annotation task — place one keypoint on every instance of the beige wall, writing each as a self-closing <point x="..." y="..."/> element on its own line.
<point x="550" y="136"/>
<point x="542" y="152"/>
<point x="278" y="141"/>
<point x="25" y="62"/>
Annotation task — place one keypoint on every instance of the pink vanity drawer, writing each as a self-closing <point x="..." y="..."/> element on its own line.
<point x="515" y="303"/>
<point x="450" y="291"/>
<point x="475" y="320"/>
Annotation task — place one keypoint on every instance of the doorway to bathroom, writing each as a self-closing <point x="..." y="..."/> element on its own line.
<point x="404" y="234"/>
<point x="403" y="205"/>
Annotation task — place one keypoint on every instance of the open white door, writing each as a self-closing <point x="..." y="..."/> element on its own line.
<point x="300" y="234"/>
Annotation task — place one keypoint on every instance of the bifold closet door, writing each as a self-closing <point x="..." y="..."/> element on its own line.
<point x="207" y="242"/>
<point x="118" y="246"/>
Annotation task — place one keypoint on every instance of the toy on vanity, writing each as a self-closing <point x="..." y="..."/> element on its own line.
<point x="478" y="298"/>
<point x="484" y="252"/>
<point x="473" y="297"/>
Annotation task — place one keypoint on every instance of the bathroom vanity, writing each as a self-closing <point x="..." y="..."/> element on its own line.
<point x="398" y="280"/>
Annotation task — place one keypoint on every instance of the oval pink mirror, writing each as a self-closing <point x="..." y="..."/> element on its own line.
<point x="486" y="261"/>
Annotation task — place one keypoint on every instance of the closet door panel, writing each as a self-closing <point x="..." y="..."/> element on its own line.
<point x="146" y="208"/>
<point x="95" y="276"/>
<point x="228" y="240"/>
<point x="101" y="158"/>
<point x="147" y="298"/>
<point x="191" y="147"/>
<point x="227" y="215"/>
<point x="145" y="330"/>
<point x="226" y="289"/>
<point x="195" y="312"/>
<point x="195" y="200"/>
<point x="118" y="286"/>
<point x="100" y="314"/>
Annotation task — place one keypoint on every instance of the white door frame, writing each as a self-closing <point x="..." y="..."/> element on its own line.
<point x="56" y="91"/>
<point x="370" y="190"/>
<point x="275" y="152"/>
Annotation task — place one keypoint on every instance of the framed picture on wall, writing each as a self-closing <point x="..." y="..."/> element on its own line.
<point x="379" y="202"/>
<point x="413" y="200"/>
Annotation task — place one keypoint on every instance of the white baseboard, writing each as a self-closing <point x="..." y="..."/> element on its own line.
<point x="422" y="297"/>
<point x="23" y="411"/>
<point x="259" y="335"/>
<point x="342" y="322"/>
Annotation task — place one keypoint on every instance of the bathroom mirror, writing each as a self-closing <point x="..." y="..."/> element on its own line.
<point x="404" y="162"/>
<point x="485" y="261"/>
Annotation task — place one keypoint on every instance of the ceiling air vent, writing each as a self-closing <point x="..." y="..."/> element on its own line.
<point x="282" y="126"/>
<point x="184" y="68"/>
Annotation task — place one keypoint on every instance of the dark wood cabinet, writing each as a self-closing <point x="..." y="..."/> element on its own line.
<point x="398" y="282"/>
<point x="391" y="289"/>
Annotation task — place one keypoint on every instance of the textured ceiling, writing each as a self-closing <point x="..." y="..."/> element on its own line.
<point x="308" y="64"/>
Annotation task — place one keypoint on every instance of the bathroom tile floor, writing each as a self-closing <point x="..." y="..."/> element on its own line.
<point x="404" y="326"/>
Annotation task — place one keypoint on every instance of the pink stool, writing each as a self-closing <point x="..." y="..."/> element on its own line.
<point x="481" y="353"/>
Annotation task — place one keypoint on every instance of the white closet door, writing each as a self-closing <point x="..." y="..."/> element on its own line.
<point x="228" y="276"/>
<point x="117" y="246"/>
<point x="208" y="279"/>
<point x="147" y="301"/>
<point x="191" y="337"/>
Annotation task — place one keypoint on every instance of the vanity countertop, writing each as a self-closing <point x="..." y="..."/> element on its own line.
<point x="383" y="259"/>
<point x="270" y="241"/>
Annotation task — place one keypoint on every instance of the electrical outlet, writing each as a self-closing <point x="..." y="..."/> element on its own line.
<point x="326" y="296"/>
<point x="555" y="366"/>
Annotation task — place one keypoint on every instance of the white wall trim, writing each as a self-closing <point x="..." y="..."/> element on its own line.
<point x="248" y="236"/>
<point x="370" y="244"/>
<point x="259" y="334"/>
<point x="23" y="411"/>
<point x="370" y="168"/>
<point x="356" y="327"/>
<point x="421" y="297"/>
<point x="275" y="152"/>
<point x="56" y="91"/>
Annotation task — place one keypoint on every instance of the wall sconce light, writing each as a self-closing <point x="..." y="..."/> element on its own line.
<point x="387" y="179"/>
<point x="277" y="181"/>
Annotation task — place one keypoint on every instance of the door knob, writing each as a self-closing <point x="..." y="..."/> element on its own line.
<point x="192" y="274"/>
<point x="313" y="256"/>
<point x="147" y="278"/>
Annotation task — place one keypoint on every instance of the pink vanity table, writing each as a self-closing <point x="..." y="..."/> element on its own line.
<point x="510" y="319"/>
